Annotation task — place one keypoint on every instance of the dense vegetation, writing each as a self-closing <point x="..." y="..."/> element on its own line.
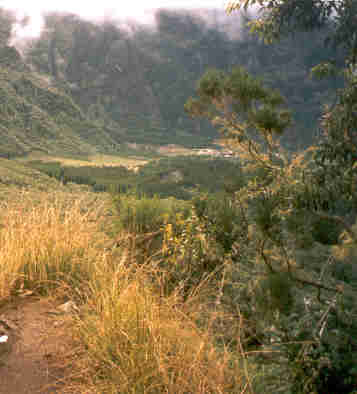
<point x="297" y="297"/>
<point x="194" y="274"/>
<point x="179" y="177"/>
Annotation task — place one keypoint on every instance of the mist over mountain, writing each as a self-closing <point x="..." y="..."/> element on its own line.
<point x="130" y="80"/>
<point x="139" y="12"/>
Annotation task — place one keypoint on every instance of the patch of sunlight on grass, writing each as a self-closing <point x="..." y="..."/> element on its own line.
<point x="99" y="160"/>
<point x="47" y="239"/>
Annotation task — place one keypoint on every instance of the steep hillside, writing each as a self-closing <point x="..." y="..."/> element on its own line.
<point x="138" y="78"/>
<point x="117" y="78"/>
<point x="37" y="116"/>
<point x="17" y="178"/>
<point x="83" y="88"/>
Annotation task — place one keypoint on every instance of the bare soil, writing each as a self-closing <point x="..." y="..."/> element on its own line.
<point x="31" y="361"/>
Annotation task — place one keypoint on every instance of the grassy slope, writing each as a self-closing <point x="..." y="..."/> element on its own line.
<point x="129" y="336"/>
<point x="36" y="116"/>
<point x="17" y="179"/>
<point x="14" y="174"/>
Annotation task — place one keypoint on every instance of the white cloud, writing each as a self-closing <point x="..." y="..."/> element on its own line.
<point x="140" y="10"/>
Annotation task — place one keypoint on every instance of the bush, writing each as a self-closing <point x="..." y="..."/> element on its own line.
<point x="326" y="231"/>
<point x="141" y="214"/>
<point x="221" y="219"/>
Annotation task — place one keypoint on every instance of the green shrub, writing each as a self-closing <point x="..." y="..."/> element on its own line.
<point x="141" y="214"/>
<point x="221" y="218"/>
<point x="326" y="231"/>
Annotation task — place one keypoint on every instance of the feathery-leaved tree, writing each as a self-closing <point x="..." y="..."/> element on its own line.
<point x="301" y="306"/>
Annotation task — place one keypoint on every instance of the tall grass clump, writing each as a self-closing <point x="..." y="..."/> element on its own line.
<point x="45" y="241"/>
<point x="136" y="341"/>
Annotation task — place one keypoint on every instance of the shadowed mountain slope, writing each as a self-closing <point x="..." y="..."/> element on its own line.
<point x="37" y="116"/>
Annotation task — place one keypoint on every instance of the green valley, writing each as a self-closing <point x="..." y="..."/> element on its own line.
<point x="178" y="201"/>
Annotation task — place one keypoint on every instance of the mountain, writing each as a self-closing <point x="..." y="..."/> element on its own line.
<point x="133" y="80"/>
<point x="137" y="78"/>
<point x="35" y="115"/>
<point x="85" y="87"/>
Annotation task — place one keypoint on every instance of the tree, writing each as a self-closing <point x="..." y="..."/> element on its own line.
<point x="283" y="205"/>
<point x="279" y="17"/>
<point x="337" y="151"/>
<point x="336" y="154"/>
<point x="247" y="111"/>
<point x="293" y="202"/>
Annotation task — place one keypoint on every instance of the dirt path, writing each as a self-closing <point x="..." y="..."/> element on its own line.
<point x="30" y="359"/>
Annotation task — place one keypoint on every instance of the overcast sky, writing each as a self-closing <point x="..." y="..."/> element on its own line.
<point x="94" y="9"/>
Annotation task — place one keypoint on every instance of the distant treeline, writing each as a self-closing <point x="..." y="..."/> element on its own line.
<point x="179" y="177"/>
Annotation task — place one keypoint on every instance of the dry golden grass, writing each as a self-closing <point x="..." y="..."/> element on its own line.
<point x="137" y="341"/>
<point x="46" y="239"/>
<point x="98" y="160"/>
<point x="128" y="336"/>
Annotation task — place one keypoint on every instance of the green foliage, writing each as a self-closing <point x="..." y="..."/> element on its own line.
<point x="323" y="70"/>
<point x="274" y="293"/>
<point x="179" y="177"/>
<point x="326" y="231"/>
<point x="241" y="104"/>
<point x="140" y="214"/>
<point x="188" y="256"/>
<point x="221" y="219"/>
<point x="288" y="16"/>
<point x="293" y="305"/>
<point x="36" y="116"/>
<point x="100" y="178"/>
<point x="263" y="245"/>
<point x="182" y="177"/>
